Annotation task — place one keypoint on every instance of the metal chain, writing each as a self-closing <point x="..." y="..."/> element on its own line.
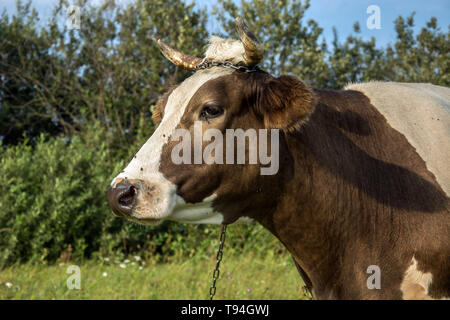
<point x="216" y="273"/>
<point x="206" y="64"/>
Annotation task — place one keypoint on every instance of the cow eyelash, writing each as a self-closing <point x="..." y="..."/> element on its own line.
<point x="210" y="112"/>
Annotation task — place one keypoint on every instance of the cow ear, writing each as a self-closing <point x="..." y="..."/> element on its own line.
<point x="285" y="102"/>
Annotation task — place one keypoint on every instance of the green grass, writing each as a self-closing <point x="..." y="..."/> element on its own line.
<point x="242" y="277"/>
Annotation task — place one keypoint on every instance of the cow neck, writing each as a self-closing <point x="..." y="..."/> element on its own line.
<point x="301" y="219"/>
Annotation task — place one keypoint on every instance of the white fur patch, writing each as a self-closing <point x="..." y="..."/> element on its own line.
<point x="197" y="213"/>
<point x="415" y="283"/>
<point x="421" y="112"/>
<point x="220" y="49"/>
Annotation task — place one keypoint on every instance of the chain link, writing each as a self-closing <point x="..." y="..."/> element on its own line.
<point x="206" y="64"/>
<point x="216" y="273"/>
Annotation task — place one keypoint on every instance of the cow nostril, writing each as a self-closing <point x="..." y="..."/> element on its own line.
<point x="126" y="198"/>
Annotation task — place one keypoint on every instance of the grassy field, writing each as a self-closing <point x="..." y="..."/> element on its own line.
<point x="244" y="277"/>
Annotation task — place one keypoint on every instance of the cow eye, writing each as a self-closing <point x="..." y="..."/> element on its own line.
<point x="210" y="111"/>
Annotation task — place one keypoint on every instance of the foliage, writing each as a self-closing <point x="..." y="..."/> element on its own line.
<point x="424" y="58"/>
<point x="109" y="71"/>
<point x="24" y="57"/>
<point x="50" y="197"/>
<point x="356" y="60"/>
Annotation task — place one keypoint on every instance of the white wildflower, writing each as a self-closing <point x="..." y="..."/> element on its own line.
<point x="122" y="265"/>
<point x="104" y="274"/>
<point x="9" y="284"/>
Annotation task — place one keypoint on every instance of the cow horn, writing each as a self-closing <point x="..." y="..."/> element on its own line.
<point x="176" y="57"/>
<point x="254" y="51"/>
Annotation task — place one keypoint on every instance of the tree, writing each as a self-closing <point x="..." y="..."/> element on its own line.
<point x="24" y="61"/>
<point x="355" y="60"/>
<point x="424" y="58"/>
<point x="109" y="71"/>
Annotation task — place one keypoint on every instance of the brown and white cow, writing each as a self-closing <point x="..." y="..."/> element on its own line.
<point x="363" y="179"/>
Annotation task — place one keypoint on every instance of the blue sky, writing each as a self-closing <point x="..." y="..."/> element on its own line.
<point x="343" y="14"/>
<point x="328" y="13"/>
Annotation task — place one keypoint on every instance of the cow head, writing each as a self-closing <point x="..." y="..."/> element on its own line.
<point x="195" y="118"/>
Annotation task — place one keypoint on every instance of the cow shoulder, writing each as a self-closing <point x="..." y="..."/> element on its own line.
<point x="421" y="112"/>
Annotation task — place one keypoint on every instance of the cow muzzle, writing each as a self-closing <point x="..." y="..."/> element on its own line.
<point x="140" y="201"/>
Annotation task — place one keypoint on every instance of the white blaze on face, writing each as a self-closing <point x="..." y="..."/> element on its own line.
<point x="145" y="165"/>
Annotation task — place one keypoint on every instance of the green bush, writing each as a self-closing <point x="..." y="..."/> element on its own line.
<point x="52" y="196"/>
<point x="52" y="204"/>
